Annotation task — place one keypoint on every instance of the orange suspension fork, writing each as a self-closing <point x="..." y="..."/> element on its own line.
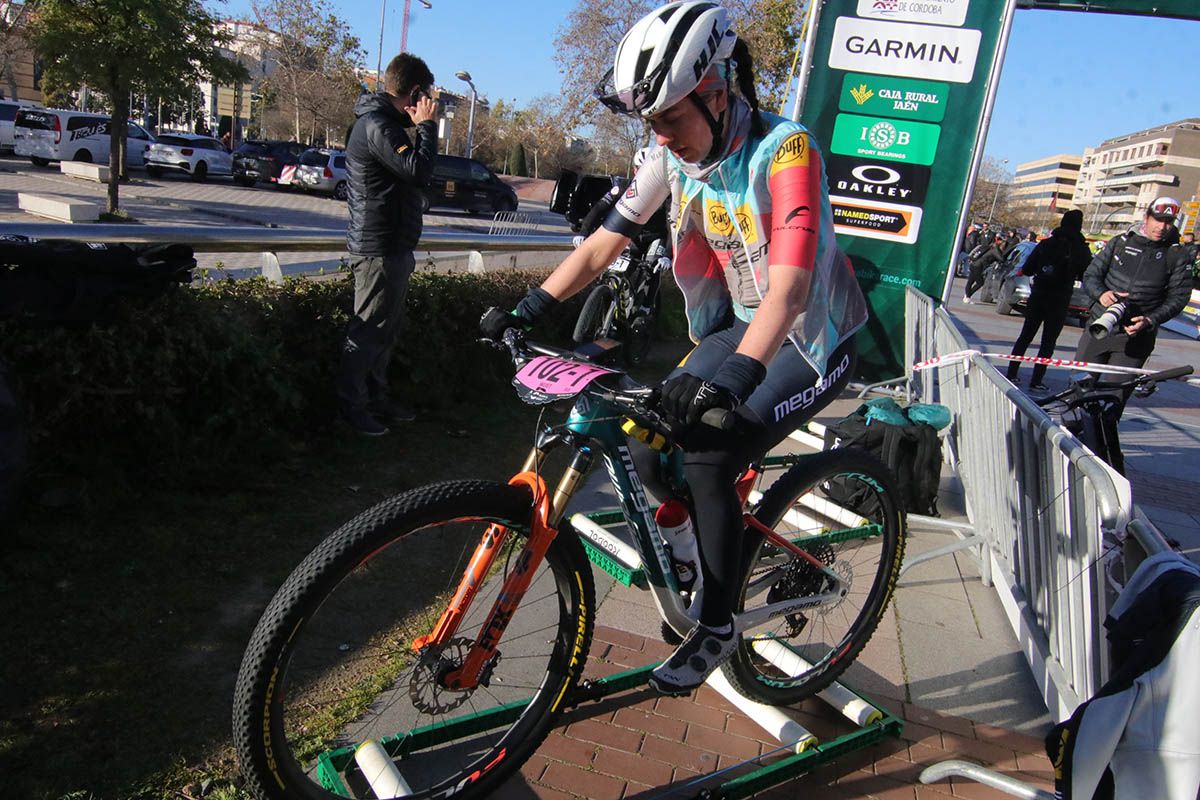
<point x="541" y="535"/>
<point x="477" y="570"/>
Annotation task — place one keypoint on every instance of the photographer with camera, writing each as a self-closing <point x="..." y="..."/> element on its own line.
<point x="1138" y="281"/>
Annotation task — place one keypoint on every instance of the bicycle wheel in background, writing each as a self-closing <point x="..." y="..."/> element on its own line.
<point x="840" y="506"/>
<point x="594" y="315"/>
<point x="331" y="662"/>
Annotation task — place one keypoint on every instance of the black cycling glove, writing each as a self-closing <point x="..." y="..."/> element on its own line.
<point x="685" y="397"/>
<point x="535" y="305"/>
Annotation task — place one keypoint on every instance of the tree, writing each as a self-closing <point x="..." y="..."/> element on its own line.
<point x="588" y="39"/>
<point x="992" y="189"/>
<point x="316" y="58"/>
<point x="160" y="46"/>
<point x="771" y="29"/>
<point x="13" y="45"/>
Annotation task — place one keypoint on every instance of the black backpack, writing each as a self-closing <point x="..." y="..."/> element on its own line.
<point x="912" y="452"/>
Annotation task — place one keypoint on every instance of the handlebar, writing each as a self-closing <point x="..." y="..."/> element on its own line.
<point x="643" y="402"/>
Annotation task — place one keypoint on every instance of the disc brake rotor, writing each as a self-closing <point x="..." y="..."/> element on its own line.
<point x="426" y="687"/>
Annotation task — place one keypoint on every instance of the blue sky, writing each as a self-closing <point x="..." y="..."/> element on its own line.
<point x="1070" y="80"/>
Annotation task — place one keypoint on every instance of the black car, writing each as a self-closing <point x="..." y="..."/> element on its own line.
<point x="467" y="184"/>
<point x="256" y="161"/>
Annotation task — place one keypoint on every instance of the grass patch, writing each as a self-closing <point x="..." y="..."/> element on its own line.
<point x="125" y="621"/>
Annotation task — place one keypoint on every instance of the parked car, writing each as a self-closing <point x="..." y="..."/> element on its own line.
<point x="467" y="184"/>
<point x="255" y="161"/>
<point x="8" y="114"/>
<point x="1015" y="286"/>
<point x="56" y="134"/>
<point x="190" y="153"/>
<point x="322" y="170"/>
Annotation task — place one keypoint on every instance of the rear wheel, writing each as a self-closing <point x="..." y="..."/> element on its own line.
<point x="595" y="313"/>
<point x="83" y="156"/>
<point x="331" y="663"/>
<point x="841" y="507"/>
<point x="154" y="172"/>
<point x="340" y="192"/>
<point x="425" y="203"/>
<point x="200" y="173"/>
<point x="39" y="162"/>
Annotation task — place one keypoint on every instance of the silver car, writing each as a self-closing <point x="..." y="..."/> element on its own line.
<point x="1015" y="286"/>
<point x="321" y="170"/>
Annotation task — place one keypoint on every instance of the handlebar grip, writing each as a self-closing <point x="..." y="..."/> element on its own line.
<point x="1169" y="374"/>
<point x="721" y="418"/>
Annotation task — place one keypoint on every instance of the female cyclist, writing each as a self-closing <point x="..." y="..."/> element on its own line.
<point x="771" y="302"/>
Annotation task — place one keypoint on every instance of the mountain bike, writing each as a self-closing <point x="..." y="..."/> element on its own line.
<point x="623" y="307"/>
<point x="1090" y="408"/>
<point x="450" y="625"/>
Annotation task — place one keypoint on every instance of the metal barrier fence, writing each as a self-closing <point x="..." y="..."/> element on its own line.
<point x="270" y="241"/>
<point x="1051" y="516"/>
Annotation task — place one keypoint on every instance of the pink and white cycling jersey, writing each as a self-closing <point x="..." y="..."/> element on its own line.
<point x="766" y="204"/>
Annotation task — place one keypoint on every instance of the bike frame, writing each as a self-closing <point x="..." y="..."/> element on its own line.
<point x="595" y="420"/>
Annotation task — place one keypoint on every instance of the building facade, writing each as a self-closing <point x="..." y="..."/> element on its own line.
<point x="1047" y="184"/>
<point x="1119" y="178"/>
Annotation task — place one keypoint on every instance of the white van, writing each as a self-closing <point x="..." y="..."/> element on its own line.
<point x="54" y="134"/>
<point x="8" y="113"/>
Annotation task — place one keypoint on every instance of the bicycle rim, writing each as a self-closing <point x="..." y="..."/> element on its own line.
<point x="841" y="509"/>
<point x="332" y="664"/>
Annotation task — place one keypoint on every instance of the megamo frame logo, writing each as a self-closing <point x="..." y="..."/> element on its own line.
<point x="931" y="52"/>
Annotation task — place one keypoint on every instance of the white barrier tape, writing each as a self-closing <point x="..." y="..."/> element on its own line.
<point x="964" y="355"/>
<point x="380" y="771"/>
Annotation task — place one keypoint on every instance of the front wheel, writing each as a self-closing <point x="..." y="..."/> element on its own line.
<point x="331" y="663"/>
<point x="840" y="506"/>
<point x="594" y="315"/>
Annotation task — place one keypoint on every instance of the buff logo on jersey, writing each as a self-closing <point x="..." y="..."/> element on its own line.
<point x="792" y="153"/>
<point x="745" y="222"/>
<point x="719" y="221"/>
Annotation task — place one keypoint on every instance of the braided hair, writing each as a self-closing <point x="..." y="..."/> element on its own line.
<point x="745" y="81"/>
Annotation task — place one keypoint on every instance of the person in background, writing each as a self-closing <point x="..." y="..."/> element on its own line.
<point x="1031" y="236"/>
<point x="1053" y="267"/>
<point x="386" y="172"/>
<point x="1147" y="271"/>
<point x="986" y="253"/>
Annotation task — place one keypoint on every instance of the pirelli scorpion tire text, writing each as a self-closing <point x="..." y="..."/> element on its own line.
<point x="332" y="662"/>
<point x="841" y="507"/>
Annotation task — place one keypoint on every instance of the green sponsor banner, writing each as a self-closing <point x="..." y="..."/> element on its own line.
<point x="898" y="52"/>
<point x="885" y="139"/>
<point x="884" y="96"/>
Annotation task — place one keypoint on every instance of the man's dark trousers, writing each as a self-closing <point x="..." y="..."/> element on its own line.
<point x="380" y="285"/>
<point x="1122" y="350"/>
<point x="1049" y="310"/>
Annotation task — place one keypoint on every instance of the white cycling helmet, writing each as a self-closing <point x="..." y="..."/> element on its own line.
<point x="665" y="55"/>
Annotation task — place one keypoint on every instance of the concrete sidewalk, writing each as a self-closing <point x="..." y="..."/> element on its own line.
<point x="944" y="659"/>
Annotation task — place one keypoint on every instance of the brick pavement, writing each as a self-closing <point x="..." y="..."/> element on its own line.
<point x="637" y="744"/>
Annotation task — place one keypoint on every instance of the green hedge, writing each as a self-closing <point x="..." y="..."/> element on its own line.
<point x="230" y="370"/>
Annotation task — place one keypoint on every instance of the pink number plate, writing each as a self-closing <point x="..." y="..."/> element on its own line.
<point x="556" y="378"/>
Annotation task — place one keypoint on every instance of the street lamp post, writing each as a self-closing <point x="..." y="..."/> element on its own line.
<point x="995" y="197"/>
<point x="466" y="76"/>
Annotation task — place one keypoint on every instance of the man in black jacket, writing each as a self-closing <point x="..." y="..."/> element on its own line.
<point x="1053" y="267"/>
<point x="386" y="172"/>
<point x="1147" y="271"/>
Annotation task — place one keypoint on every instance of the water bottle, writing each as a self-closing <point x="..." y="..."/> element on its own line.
<point x="675" y="525"/>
